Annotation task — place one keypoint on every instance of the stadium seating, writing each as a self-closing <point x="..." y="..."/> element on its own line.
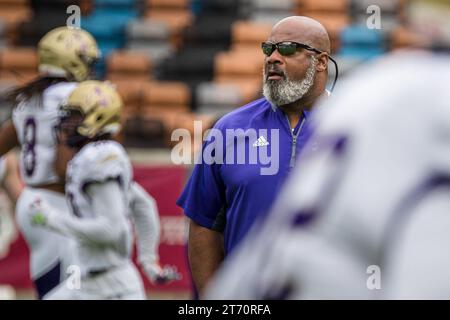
<point x="237" y="72"/>
<point x="175" y="14"/>
<point x="150" y="37"/>
<point x="107" y="23"/>
<point x="243" y="68"/>
<point x="217" y="99"/>
<point x="128" y="65"/>
<point x="267" y="11"/>
<point x="18" y="65"/>
<point x="46" y="15"/>
<point x="402" y="37"/>
<point x="131" y="93"/>
<point x="177" y="60"/>
<point x="248" y="35"/>
<point x="14" y="11"/>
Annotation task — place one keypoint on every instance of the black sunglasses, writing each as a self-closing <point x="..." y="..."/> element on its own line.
<point x="287" y="48"/>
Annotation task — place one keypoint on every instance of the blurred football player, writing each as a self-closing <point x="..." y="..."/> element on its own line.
<point x="366" y="215"/>
<point x="12" y="186"/>
<point x="145" y="219"/>
<point x="98" y="183"/>
<point x="65" y="57"/>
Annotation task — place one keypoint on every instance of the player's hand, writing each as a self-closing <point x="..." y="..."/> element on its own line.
<point x="39" y="213"/>
<point x="161" y="275"/>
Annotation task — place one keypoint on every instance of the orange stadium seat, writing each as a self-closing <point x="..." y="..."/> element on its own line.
<point x="323" y="5"/>
<point x="164" y="96"/>
<point x="243" y="68"/>
<point x="249" y="34"/>
<point x="131" y="93"/>
<point x="242" y="64"/>
<point x="12" y="14"/>
<point x="14" y="11"/>
<point x="402" y="37"/>
<point x="177" y="20"/>
<point x="168" y="3"/>
<point x="163" y="102"/>
<point x="18" y="64"/>
<point x="13" y="2"/>
<point x="128" y="64"/>
<point x="176" y="14"/>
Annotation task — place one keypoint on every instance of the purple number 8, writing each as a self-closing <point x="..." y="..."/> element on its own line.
<point x="29" y="159"/>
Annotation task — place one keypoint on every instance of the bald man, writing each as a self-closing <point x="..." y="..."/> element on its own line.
<point x="366" y="215"/>
<point x="294" y="82"/>
<point x="250" y="151"/>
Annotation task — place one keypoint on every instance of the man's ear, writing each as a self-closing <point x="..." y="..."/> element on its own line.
<point x="322" y="62"/>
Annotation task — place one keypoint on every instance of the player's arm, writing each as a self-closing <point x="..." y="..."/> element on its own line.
<point x="12" y="183"/>
<point x="108" y="222"/>
<point x="146" y="221"/>
<point x="206" y="253"/>
<point x="8" y="137"/>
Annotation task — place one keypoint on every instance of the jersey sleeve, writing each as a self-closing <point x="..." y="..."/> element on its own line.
<point x="107" y="225"/>
<point x="203" y="198"/>
<point x="146" y="221"/>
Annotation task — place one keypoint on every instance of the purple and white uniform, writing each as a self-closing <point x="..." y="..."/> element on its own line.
<point x="35" y="121"/>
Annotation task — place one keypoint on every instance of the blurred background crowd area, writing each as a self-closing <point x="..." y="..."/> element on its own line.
<point x="175" y="61"/>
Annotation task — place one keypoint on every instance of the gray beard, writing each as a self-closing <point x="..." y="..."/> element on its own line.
<point x="285" y="91"/>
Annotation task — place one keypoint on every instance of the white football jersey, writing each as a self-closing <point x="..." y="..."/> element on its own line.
<point x="366" y="214"/>
<point x="99" y="162"/>
<point x="35" y="123"/>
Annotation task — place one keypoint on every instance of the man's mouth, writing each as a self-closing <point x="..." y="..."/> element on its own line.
<point x="275" y="75"/>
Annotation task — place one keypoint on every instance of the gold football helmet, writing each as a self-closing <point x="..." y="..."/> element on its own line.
<point x="67" y="52"/>
<point x="99" y="105"/>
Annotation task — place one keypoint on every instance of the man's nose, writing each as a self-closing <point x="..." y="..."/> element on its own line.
<point x="274" y="58"/>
